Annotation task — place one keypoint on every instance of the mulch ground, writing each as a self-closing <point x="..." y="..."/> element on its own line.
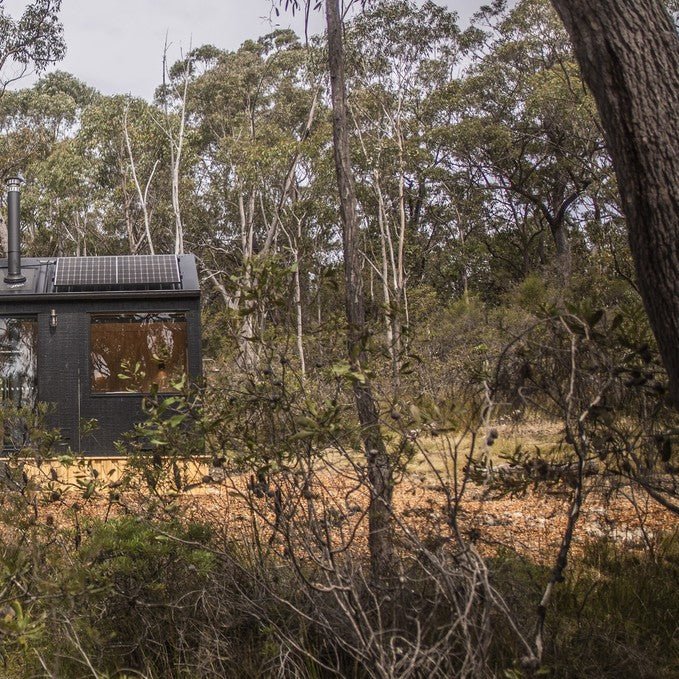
<point x="531" y="524"/>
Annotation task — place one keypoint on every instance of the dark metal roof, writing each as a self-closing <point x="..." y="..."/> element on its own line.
<point x="93" y="277"/>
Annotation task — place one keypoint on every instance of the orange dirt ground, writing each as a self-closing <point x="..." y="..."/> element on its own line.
<point x="531" y="524"/>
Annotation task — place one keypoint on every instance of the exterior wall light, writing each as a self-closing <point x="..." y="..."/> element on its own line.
<point x="53" y="319"/>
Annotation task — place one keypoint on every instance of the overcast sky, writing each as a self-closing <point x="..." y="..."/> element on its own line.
<point x="117" y="47"/>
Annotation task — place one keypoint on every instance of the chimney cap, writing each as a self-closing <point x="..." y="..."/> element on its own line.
<point x="14" y="183"/>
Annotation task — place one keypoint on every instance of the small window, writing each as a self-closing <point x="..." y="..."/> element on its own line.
<point x="132" y="352"/>
<point x="18" y="339"/>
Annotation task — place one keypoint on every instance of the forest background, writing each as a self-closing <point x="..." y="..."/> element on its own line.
<point x="503" y="349"/>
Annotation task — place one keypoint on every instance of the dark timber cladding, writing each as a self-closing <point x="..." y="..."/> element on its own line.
<point x="91" y="336"/>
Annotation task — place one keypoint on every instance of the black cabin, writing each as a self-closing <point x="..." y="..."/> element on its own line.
<point x="92" y="335"/>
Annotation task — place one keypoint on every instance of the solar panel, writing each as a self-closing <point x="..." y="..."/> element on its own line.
<point x="116" y="272"/>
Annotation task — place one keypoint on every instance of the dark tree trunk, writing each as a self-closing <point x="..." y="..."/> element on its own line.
<point x="628" y="51"/>
<point x="556" y="218"/>
<point x="563" y="250"/>
<point x="379" y="469"/>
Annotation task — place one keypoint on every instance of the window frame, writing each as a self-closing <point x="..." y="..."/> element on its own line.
<point x="113" y="314"/>
<point x="36" y="348"/>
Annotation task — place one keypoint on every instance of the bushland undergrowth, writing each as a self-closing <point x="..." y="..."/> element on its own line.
<point x="133" y="575"/>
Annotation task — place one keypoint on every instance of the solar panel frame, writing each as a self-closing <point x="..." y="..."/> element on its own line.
<point x="137" y="269"/>
<point x="117" y="272"/>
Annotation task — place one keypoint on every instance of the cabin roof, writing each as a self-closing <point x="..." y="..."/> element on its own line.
<point x="147" y="276"/>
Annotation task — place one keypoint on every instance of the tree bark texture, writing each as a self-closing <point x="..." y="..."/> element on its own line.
<point x="628" y="51"/>
<point x="379" y="469"/>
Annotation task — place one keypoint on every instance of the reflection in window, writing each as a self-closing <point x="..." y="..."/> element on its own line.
<point x="18" y="339"/>
<point x="132" y="352"/>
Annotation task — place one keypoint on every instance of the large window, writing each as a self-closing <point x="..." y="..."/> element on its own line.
<point x="18" y="340"/>
<point x="132" y="352"/>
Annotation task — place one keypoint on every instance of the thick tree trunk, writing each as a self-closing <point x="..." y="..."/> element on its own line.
<point x="379" y="469"/>
<point x="628" y="51"/>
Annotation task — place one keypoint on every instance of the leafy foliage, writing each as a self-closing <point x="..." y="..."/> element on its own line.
<point x="499" y="292"/>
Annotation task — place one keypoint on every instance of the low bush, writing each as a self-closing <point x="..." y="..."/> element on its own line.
<point x="161" y="600"/>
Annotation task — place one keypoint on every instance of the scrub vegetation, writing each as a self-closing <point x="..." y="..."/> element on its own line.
<point x="435" y="436"/>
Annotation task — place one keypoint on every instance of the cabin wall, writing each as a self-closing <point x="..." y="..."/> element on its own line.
<point x="63" y="371"/>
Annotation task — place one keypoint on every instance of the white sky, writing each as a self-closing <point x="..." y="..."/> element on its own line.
<point x="117" y="47"/>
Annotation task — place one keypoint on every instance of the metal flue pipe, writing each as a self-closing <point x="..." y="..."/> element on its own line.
<point x="13" y="233"/>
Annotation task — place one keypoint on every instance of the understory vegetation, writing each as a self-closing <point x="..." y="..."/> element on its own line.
<point x="240" y="547"/>
<point x="144" y="597"/>
<point x="478" y="478"/>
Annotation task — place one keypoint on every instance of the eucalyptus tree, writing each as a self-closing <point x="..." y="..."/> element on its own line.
<point x="33" y="120"/>
<point x="122" y="141"/>
<point x="398" y="56"/>
<point x="64" y="204"/>
<point x="30" y="124"/>
<point x="529" y="134"/>
<point x="629" y="54"/>
<point x="34" y="40"/>
<point x="253" y="112"/>
<point x="379" y="467"/>
<point x="38" y="125"/>
<point x="171" y="96"/>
